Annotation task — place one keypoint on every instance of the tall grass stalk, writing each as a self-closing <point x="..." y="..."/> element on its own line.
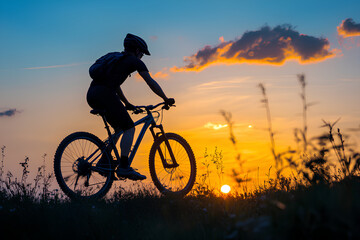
<point x="211" y="162"/>
<point x="2" y="161"/>
<point x="265" y="101"/>
<point x="228" y="118"/>
<point x="235" y="172"/>
<point x="38" y="190"/>
<point x="350" y="165"/>
<point x="301" y="79"/>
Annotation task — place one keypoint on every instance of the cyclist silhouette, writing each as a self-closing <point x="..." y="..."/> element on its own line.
<point x="106" y="93"/>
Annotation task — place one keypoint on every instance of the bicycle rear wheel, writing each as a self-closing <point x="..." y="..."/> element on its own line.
<point x="76" y="169"/>
<point x="172" y="180"/>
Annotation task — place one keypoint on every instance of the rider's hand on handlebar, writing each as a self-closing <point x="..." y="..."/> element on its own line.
<point x="137" y="111"/>
<point x="129" y="106"/>
<point x="170" y="101"/>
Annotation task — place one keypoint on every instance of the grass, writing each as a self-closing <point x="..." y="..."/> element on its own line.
<point x="320" y="202"/>
<point x="280" y="208"/>
<point x="272" y="212"/>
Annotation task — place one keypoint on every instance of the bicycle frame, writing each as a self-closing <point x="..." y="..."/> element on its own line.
<point x="148" y="122"/>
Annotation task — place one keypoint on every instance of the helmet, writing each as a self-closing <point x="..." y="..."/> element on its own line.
<point x="132" y="42"/>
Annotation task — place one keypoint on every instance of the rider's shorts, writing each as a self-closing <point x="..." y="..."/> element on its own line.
<point x="102" y="97"/>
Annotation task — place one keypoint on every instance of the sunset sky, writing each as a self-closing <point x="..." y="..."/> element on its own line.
<point x="208" y="55"/>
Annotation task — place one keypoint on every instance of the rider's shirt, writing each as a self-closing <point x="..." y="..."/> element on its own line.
<point x="121" y="70"/>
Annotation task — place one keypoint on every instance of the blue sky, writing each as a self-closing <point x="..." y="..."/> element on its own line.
<point x="37" y="33"/>
<point x="47" y="47"/>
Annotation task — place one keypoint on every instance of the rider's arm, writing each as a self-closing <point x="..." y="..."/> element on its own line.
<point x="154" y="86"/>
<point x="122" y="96"/>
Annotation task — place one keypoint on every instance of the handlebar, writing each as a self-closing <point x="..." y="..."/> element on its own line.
<point x="140" y="109"/>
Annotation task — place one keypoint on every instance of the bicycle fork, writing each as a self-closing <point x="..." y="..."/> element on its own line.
<point x="165" y="163"/>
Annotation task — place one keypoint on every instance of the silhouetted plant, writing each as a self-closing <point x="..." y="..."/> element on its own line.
<point x="46" y="180"/>
<point x="2" y="161"/>
<point x="203" y="186"/>
<point x="236" y="173"/>
<point x="278" y="157"/>
<point x="319" y="167"/>
<point x="316" y="168"/>
<point x="240" y="178"/>
<point x="137" y="190"/>
<point x="301" y="78"/>
<point x="265" y="101"/>
<point x="305" y="106"/>
<point x="279" y="182"/>
<point x="350" y="165"/>
<point x="217" y="159"/>
<point x="39" y="190"/>
<point x="25" y="166"/>
<point x="228" y="119"/>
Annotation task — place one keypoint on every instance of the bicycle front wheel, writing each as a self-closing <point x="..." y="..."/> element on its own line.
<point x="76" y="166"/>
<point x="169" y="178"/>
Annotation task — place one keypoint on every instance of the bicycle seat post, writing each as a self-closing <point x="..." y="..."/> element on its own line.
<point x="110" y="139"/>
<point x="106" y="125"/>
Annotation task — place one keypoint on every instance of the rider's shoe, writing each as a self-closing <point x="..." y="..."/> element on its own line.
<point x="129" y="173"/>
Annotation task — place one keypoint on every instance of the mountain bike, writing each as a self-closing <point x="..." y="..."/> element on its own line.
<point x="171" y="160"/>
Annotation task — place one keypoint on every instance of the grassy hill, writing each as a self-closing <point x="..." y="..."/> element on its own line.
<point x="326" y="211"/>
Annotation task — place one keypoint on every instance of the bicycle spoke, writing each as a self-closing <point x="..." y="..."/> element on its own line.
<point x="77" y="178"/>
<point x="74" y="148"/>
<point x="68" y="177"/>
<point x="68" y="154"/>
<point x="184" y="174"/>
<point x="177" y="180"/>
<point x="96" y="184"/>
<point x="75" y="174"/>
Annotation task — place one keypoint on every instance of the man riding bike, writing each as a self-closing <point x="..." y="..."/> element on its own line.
<point x="106" y="93"/>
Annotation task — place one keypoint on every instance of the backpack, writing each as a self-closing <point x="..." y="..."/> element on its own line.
<point x="100" y="69"/>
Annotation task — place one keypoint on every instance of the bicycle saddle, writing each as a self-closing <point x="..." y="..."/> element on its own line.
<point x="101" y="112"/>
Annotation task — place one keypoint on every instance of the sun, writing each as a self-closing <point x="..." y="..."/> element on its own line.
<point x="225" y="189"/>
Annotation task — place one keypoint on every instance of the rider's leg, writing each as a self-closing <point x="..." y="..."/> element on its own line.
<point x="124" y="169"/>
<point x="125" y="146"/>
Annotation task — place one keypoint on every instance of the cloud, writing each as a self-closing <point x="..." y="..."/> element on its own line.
<point x="348" y="28"/>
<point x="57" y="66"/>
<point x="161" y="75"/>
<point x="153" y="38"/>
<point x="221" y="39"/>
<point x="9" y="113"/>
<point x="214" y="85"/>
<point x="272" y="46"/>
<point x="215" y="126"/>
